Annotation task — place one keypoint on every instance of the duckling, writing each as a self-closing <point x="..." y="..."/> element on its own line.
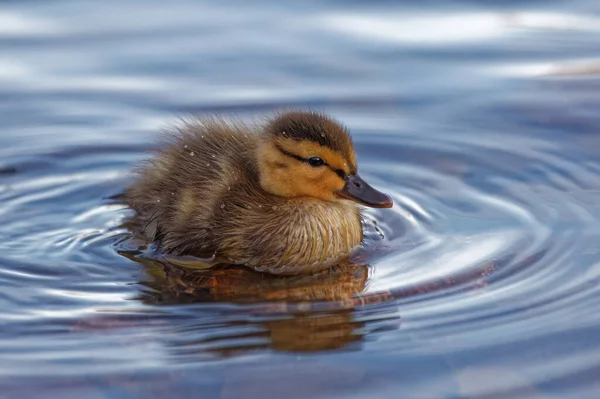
<point x="283" y="197"/>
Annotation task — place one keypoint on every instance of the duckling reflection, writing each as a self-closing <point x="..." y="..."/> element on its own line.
<point x="295" y="332"/>
<point x="300" y="313"/>
<point x="201" y="282"/>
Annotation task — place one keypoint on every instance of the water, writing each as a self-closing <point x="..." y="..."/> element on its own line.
<point x="480" y="118"/>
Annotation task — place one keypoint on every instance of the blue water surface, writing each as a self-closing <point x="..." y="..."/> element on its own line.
<point x="481" y="119"/>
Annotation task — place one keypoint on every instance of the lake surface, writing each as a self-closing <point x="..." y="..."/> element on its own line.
<point x="481" y="119"/>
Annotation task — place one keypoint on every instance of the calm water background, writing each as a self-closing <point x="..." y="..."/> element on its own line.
<point x="482" y="119"/>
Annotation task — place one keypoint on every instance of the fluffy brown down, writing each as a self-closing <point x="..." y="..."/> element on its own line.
<point x="201" y="195"/>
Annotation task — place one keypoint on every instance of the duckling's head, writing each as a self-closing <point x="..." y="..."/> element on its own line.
<point x="308" y="154"/>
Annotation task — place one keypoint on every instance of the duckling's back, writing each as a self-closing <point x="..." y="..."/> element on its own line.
<point x="179" y="190"/>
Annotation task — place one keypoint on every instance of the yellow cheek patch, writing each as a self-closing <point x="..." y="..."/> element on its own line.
<point x="297" y="179"/>
<point x="271" y="154"/>
<point x="315" y="182"/>
<point x="307" y="149"/>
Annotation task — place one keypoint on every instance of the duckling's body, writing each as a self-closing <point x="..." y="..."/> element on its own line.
<point x="240" y="192"/>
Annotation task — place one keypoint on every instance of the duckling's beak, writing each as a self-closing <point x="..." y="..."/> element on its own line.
<point x="358" y="190"/>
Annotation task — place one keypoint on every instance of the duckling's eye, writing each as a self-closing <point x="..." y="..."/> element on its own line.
<point x="315" y="162"/>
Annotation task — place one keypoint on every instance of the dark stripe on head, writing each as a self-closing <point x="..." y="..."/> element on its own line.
<point x="312" y="126"/>
<point x="342" y="175"/>
<point x="290" y="154"/>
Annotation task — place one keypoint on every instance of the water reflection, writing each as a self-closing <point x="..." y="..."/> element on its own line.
<point x="302" y="313"/>
<point x="294" y="332"/>
<point x="239" y="284"/>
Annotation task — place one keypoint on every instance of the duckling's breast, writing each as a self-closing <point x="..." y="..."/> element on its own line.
<point x="299" y="236"/>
